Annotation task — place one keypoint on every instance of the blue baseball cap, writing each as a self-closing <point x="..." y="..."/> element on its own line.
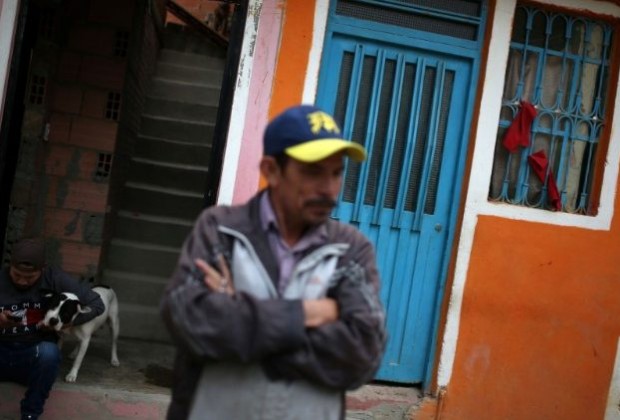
<point x="308" y="134"/>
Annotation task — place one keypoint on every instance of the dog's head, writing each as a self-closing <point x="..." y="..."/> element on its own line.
<point x="62" y="309"/>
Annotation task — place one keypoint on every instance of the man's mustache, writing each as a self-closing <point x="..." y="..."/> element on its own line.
<point x="323" y="202"/>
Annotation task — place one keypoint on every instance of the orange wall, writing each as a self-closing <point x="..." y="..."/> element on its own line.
<point x="292" y="62"/>
<point x="539" y="323"/>
<point x="293" y="55"/>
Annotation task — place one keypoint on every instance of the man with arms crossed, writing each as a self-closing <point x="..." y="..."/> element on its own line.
<point x="273" y="305"/>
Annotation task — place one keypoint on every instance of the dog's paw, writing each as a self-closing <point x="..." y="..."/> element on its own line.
<point x="71" y="377"/>
<point x="115" y="362"/>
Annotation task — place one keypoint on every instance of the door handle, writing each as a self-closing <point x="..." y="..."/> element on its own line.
<point x="438" y="227"/>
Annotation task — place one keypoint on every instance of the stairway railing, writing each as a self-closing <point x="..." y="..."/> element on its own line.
<point x="190" y="20"/>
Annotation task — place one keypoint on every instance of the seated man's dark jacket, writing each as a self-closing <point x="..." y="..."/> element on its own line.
<point x="32" y="301"/>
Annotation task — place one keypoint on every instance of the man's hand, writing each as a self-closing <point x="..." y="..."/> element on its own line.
<point x="320" y="312"/>
<point x="6" y="322"/>
<point x="213" y="279"/>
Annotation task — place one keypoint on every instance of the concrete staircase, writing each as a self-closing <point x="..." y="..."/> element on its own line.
<point x="164" y="190"/>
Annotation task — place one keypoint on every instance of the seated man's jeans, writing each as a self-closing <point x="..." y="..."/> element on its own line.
<point x="34" y="365"/>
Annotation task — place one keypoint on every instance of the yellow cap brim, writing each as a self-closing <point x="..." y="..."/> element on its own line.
<point x="313" y="151"/>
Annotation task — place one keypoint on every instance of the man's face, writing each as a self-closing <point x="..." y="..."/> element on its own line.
<point x="24" y="278"/>
<point x="306" y="193"/>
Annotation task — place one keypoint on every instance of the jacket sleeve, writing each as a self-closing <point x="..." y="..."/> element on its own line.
<point x="217" y="326"/>
<point x="65" y="283"/>
<point x="344" y="354"/>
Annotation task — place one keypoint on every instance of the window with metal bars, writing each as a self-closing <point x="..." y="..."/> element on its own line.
<point x="47" y="25"/>
<point x="121" y="43"/>
<point x="38" y="84"/>
<point x="104" y="166"/>
<point x="113" y="106"/>
<point x="559" y="69"/>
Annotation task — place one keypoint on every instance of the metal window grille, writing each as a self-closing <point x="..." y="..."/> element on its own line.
<point x="113" y="106"/>
<point x="560" y="64"/>
<point x="47" y="25"/>
<point x="37" y="89"/>
<point x="104" y="166"/>
<point x="121" y="43"/>
<point x="455" y="18"/>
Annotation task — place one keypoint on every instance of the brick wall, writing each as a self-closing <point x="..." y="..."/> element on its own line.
<point x="203" y="10"/>
<point x="81" y="80"/>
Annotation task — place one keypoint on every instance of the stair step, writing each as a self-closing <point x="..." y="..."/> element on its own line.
<point x="181" y="110"/>
<point x="142" y="322"/>
<point x="152" y="200"/>
<point x="180" y="73"/>
<point x="167" y="175"/>
<point x="166" y="179"/>
<point x="168" y="128"/>
<point x="191" y="60"/>
<point x="135" y="288"/>
<point x="175" y="151"/>
<point x="160" y="231"/>
<point x="184" y="92"/>
<point x="142" y="258"/>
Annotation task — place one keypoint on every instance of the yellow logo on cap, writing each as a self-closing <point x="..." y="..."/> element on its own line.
<point x="320" y="120"/>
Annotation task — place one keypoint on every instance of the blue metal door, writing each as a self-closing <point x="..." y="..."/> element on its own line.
<point x="410" y="108"/>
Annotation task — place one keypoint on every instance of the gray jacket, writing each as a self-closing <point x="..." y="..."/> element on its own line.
<point x="251" y="352"/>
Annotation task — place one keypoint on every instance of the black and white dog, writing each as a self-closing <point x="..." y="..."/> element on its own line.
<point x="63" y="308"/>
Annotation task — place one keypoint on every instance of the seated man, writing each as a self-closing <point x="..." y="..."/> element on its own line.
<point x="29" y="354"/>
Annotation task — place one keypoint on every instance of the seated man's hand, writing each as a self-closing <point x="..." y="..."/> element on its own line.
<point x="43" y="327"/>
<point x="7" y="322"/>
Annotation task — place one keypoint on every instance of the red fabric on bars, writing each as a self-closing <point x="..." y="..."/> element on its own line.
<point x="518" y="134"/>
<point x="539" y="163"/>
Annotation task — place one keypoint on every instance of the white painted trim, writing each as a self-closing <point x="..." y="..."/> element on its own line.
<point x="8" y="19"/>
<point x="311" y="82"/>
<point x="477" y="203"/>
<point x="240" y="103"/>
<point x="612" y="412"/>
<point x="487" y="121"/>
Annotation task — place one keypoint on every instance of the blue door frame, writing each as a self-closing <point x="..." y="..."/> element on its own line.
<point x="409" y="103"/>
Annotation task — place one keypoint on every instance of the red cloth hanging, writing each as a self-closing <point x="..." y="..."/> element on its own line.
<point x="518" y="134"/>
<point x="539" y="163"/>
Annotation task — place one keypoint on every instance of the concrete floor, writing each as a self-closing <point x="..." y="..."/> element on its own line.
<point x="140" y="387"/>
<point x="144" y="366"/>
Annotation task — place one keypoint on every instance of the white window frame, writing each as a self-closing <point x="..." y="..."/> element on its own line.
<point x="488" y="123"/>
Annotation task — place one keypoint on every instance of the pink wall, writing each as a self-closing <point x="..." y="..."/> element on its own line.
<point x="257" y="113"/>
